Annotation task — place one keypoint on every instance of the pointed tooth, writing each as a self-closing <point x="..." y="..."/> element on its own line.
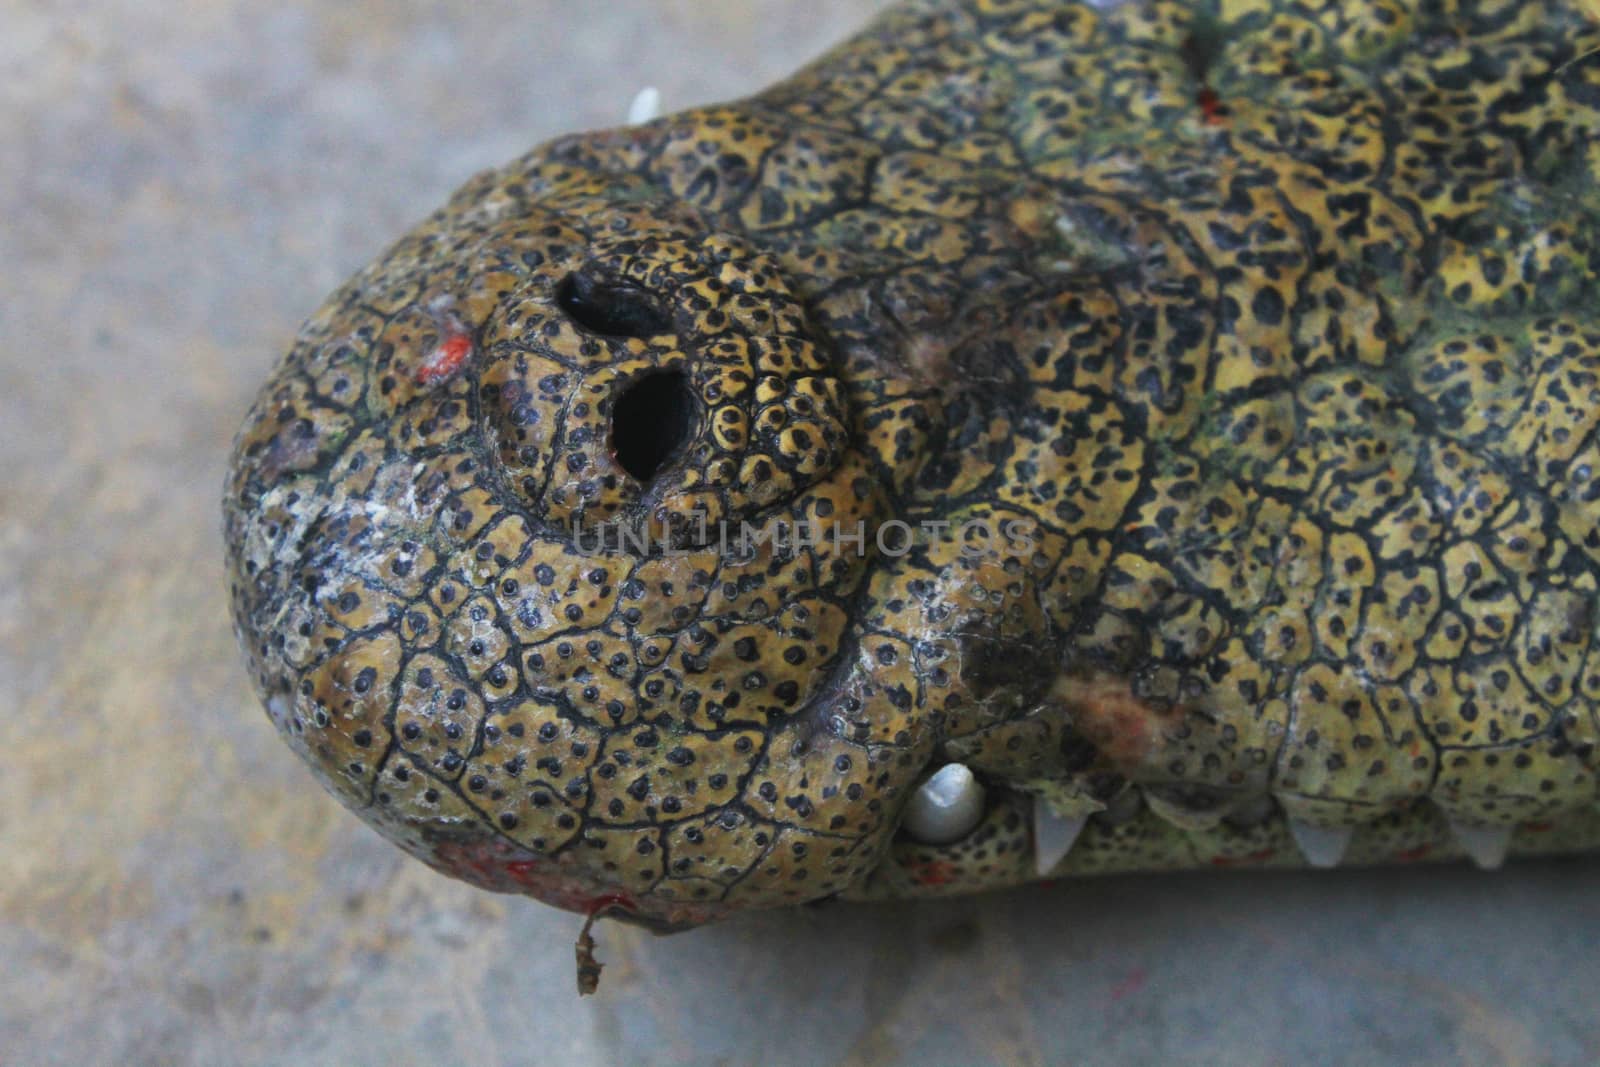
<point x="1322" y="846"/>
<point x="1195" y="810"/>
<point x="1487" y="845"/>
<point x="1053" y="836"/>
<point x="646" y="106"/>
<point x="946" y="807"/>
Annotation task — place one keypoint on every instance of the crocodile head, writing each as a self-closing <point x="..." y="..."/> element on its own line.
<point x="1031" y="415"/>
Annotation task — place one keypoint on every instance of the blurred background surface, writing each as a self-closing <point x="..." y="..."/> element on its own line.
<point x="179" y="186"/>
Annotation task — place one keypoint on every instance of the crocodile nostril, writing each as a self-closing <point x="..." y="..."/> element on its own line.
<point x="612" y="308"/>
<point x="651" y="421"/>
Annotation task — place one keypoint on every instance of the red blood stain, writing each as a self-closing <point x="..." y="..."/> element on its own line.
<point x="1107" y="712"/>
<point x="446" y="358"/>
<point x="934" y="872"/>
<point x="1212" y="110"/>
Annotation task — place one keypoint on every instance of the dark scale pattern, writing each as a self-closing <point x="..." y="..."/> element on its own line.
<point x="1258" y="333"/>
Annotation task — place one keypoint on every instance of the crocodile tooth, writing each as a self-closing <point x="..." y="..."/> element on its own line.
<point x="1322" y="846"/>
<point x="1487" y="845"/>
<point x="945" y="808"/>
<point x="1053" y="836"/>
<point x="646" y="106"/>
<point x="1194" y="810"/>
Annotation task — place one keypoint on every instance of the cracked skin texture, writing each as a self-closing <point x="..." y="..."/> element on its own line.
<point x="1269" y="324"/>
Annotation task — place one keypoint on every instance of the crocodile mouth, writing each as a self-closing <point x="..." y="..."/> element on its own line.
<point x="962" y="830"/>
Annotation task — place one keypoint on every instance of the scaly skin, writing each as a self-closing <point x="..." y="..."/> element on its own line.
<point x="1261" y="335"/>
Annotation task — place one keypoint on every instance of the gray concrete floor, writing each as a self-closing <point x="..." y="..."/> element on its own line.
<point x="179" y="185"/>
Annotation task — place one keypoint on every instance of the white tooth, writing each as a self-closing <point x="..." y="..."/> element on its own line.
<point x="945" y="808"/>
<point x="1487" y="845"/>
<point x="1053" y="836"/>
<point x="646" y="106"/>
<point x="1322" y="846"/>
